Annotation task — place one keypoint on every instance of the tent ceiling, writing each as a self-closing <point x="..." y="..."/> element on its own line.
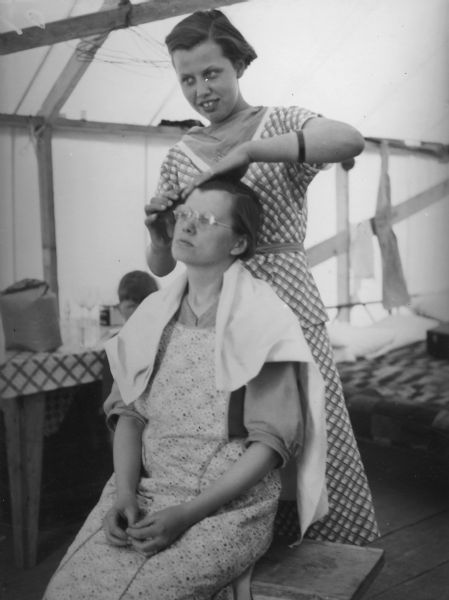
<point x="379" y="64"/>
<point x="19" y="14"/>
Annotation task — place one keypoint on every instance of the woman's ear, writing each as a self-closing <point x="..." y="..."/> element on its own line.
<point x="239" y="247"/>
<point x="239" y="67"/>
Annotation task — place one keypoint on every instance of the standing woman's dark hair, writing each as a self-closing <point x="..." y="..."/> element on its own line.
<point x="204" y="25"/>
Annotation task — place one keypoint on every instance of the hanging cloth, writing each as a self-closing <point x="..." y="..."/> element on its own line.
<point x="362" y="250"/>
<point x="362" y="254"/>
<point x="394" y="288"/>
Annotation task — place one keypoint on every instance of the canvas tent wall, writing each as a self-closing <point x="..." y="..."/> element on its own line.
<point x="377" y="64"/>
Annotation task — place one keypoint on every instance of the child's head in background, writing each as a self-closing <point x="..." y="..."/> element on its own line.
<point x="134" y="287"/>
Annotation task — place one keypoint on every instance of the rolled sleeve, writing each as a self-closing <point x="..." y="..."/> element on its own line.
<point x="295" y="119"/>
<point x="114" y="407"/>
<point x="272" y="410"/>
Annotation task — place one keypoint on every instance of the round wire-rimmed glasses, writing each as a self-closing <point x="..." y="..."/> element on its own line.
<point x="201" y="220"/>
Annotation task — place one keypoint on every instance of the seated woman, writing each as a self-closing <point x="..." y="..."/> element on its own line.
<point x="215" y="390"/>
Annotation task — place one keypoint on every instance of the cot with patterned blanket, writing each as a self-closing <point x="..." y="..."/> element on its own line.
<point x="400" y="398"/>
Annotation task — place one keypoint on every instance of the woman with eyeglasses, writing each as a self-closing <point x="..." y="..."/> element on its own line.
<point x="279" y="151"/>
<point x="213" y="384"/>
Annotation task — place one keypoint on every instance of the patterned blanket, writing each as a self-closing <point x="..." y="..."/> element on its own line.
<point x="400" y="398"/>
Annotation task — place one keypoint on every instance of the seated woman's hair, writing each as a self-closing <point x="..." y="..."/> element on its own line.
<point x="246" y="209"/>
<point x="136" y="286"/>
<point x="204" y="25"/>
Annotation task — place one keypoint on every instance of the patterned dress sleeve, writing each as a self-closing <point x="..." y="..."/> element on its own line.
<point x="272" y="410"/>
<point x="114" y="407"/>
<point x="293" y="118"/>
<point x="168" y="176"/>
<point x="296" y="117"/>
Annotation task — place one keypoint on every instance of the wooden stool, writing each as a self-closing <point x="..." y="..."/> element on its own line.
<point x="316" y="571"/>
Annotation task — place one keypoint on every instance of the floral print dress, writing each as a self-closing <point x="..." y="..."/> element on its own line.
<point x="185" y="448"/>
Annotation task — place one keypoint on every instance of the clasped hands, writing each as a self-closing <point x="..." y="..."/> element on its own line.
<point x="124" y="525"/>
<point x="161" y="230"/>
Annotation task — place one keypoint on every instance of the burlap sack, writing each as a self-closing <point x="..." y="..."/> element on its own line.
<point x="29" y="312"/>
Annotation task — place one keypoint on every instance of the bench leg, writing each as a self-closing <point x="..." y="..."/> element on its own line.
<point x="24" y="429"/>
<point x="242" y="585"/>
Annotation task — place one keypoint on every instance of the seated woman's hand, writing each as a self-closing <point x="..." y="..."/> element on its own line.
<point x="235" y="164"/>
<point x="158" y="217"/>
<point x="157" y="531"/>
<point x="124" y="512"/>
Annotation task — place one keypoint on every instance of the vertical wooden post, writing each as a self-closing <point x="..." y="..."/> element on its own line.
<point x="46" y="195"/>
<point x="24" y="429"/>
<point x="343" y="259"/>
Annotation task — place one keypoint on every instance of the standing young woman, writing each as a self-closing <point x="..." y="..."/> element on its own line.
<point x="279" y="150"/>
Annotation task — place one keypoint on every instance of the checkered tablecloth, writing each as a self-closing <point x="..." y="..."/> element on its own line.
<point x="25" y="373"/>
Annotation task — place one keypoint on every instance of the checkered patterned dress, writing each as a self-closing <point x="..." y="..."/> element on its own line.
<point x="282" y="190"/>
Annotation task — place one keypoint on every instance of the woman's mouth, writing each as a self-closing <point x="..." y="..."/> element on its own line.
<point x="208" y="105"/>
<point x="181" y="242"/>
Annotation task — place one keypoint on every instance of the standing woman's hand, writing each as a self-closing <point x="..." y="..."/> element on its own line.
<point x="236" y="162"/>
<point x="159" y="218"/>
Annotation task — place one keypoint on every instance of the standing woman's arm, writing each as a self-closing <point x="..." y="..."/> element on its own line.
<point x="158" y="255"/>
<point x="320" y="141"/>
<point x="328" y="141"/>
<point x="158" y="222"/>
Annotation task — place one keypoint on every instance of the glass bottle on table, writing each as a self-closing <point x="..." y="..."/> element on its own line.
<point x="87" y="300"/>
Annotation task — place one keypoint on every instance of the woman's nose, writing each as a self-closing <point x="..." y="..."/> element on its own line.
<point x="202" y="87"/>
<point x="188" y="224"/>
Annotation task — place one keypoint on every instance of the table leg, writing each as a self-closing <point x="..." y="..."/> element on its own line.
<point x="24" y="429"/>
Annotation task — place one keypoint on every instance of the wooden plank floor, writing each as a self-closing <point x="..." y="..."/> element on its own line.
<point x="412" y="505"/>
<point x="411" y="496"/>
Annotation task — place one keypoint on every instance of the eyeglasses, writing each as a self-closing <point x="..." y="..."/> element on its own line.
<point x="201" y="220"/>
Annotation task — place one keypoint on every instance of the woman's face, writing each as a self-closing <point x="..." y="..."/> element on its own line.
<point x="199" y="243"/>
<point x="209" y="81"/>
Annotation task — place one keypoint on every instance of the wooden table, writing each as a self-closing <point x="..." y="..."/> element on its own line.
<point x="25" y="378"/>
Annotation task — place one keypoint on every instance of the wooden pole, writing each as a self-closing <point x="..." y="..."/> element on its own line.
<point x="104" y="21"/>
<point x="431" y="150"/>
<point x="336" y="244"/>
<point x="46" y="195"/>
<point x="24" y="425"/>
<point x="343" y="227"/>
<point x="75" y="68"/>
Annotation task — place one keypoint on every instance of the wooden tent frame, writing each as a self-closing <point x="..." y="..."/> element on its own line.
<point x="94" y="29"/>
<point x="122" y="15"/>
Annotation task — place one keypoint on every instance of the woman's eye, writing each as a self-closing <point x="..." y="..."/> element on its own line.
<point x="210" y="75"/>
<point x="187" y="81"/>
<point x="203" y="219"/>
